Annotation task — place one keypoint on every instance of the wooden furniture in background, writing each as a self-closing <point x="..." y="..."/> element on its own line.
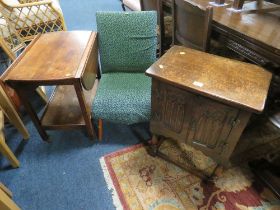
<point x="238" y="4"/>
<point x="30" y="18"/>
<point x="254" y="6"/>
<point x="72" y="65"/>
<point x="202" y="100"/>
<point x="147" y="5"/>
<point x="6" y="202"/>
<point x="191" y="24"/>
<point x="254" y="36"/>
<point x="219" y="2"/>
<point x="156" y="5"/>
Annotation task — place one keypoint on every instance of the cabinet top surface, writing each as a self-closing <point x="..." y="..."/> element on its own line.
<point x="52" y="56"/>
<point x="232" y="82"/>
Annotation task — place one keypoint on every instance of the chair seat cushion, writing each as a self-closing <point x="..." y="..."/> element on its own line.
<point x="123" y="98"/>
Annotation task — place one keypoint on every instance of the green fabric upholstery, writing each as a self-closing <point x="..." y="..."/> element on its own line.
<point x="127" y="47"/>
<point x="123" y="98"/>
<point x="126" y="40"/>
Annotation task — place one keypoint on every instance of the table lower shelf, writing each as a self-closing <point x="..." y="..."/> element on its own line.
<point x="63" y="109"/>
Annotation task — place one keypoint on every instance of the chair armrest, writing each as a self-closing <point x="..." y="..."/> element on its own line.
<point x="28" y="1"/>
<point x="19" y="5"/>
<point x="41" y="11"/>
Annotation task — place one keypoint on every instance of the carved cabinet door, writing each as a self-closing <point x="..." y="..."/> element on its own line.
<point x="210" y="126"/>
<point x="203" y="123"/>
<point x="169" y="105"/>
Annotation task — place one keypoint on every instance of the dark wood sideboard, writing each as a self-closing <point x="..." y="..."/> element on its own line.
<point x="204" y="100"/>
<point x="249" y="33"/>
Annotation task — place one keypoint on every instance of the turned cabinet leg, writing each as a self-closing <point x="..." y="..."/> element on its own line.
<point x="154" y="145"/>
<point x="218" y="171"/>
<point x="155" y="139"/>
<point x="100" y="129"/>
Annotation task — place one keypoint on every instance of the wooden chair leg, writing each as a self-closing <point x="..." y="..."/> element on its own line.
<point x="11" y="113"/>
<point x="6" y="151"/>
<point x="6" y="190"/>
<point x="100" y="129"/>
<point x="6" y="203"/>
<point x="42" y="93"/>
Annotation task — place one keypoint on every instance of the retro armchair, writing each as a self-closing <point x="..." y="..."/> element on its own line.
<point x="127" y="47"/>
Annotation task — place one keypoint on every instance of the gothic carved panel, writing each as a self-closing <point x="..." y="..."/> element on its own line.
<point x="168" y="107"/>
<point x="210" y="124"/>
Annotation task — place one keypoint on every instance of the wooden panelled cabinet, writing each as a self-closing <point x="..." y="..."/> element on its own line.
<point x="204" y="100"/>
<point x="196" y="120"/>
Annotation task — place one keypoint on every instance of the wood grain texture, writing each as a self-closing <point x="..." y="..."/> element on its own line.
<point x="204" y="100"/>
<point x="4" y="148"/>
<point x="71" y="60"/>
<point x="11" y="113"/>
<point x="6" y="202"/>
<point x="54" y="56"/>
<point x="231" y="82"/>
<point x="257" y="33"/>
<point x="68" y="107"/>
<point x="191" y="25"/>
<point x="203" y="123"/>
<point x="262" y="27"/>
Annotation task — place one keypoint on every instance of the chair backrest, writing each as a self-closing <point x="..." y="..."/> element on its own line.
<point x="10" y="42"/>
<point x="30" y="17"/>
<point x="156" y="5"/>
<point x="191" y="24"/>
<point x="127" y="40"/>
<point x="148" y="5"/>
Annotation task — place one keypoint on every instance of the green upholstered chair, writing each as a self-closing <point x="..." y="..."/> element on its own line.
<point x="127" y="47"/>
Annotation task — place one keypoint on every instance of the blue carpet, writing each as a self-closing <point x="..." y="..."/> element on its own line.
<point x="66" y="173"/>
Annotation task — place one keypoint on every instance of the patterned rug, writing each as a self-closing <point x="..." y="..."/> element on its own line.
<point x="139" y="181"/>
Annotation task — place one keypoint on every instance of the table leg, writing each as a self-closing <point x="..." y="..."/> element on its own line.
<point x="23" y="94"/>
<point x="85" y="110"/>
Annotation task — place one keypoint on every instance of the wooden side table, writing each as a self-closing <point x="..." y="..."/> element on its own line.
<point x="68" y="60"/>
<point x="204" y="100"/>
